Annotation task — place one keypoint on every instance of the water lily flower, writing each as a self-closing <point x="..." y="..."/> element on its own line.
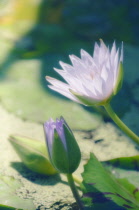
<point x="62" y="147"/>
<point x="91" y="80"/>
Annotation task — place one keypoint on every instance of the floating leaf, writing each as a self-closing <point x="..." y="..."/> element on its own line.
<point x="33" y="153"/>
<point x="125" y="167"/>
<point x="131" y="163"/>
<point x="130" y="187"/>
<point x="3" y="207"/>
<point x="8" y="186"/>
<point x="101" y="190"/>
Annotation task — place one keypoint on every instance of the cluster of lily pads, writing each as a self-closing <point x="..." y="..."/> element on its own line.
<point x="90" y="81"/>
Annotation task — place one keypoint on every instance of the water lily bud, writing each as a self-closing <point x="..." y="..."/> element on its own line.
<point x="91" y="80"/>
<point x="63" y="149"/>
<point x="33" y="153"/>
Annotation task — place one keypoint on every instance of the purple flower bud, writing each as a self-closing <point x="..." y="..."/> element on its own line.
<point x="62" y="147"/>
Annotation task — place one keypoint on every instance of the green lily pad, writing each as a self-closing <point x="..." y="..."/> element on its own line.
<point x="101" y="190"/>
<point x="8" y="186"/>
<point x="3" y="207"/>
<point x="125" y="167"/>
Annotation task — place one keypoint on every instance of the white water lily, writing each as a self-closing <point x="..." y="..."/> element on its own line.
<point x="91" y="80"/>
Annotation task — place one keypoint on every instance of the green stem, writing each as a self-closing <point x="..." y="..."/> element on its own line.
<point x="74" y="191"/>
<point x="76" y="179"/>
<point x="123" y="127"/>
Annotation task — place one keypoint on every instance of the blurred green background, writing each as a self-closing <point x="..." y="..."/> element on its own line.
<point x="36" y="34"/>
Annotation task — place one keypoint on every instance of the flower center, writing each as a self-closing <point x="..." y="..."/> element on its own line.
<point x="92" y="75"/>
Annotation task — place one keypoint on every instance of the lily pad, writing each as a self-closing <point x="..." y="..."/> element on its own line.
<point x="101" y="190"/>
<point x="125" y="167"/>
<point x="3" y="207"/>
<point x="8" y="186"/>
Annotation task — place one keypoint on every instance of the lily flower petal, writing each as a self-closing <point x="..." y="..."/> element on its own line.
<point x="93" y="77"/>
